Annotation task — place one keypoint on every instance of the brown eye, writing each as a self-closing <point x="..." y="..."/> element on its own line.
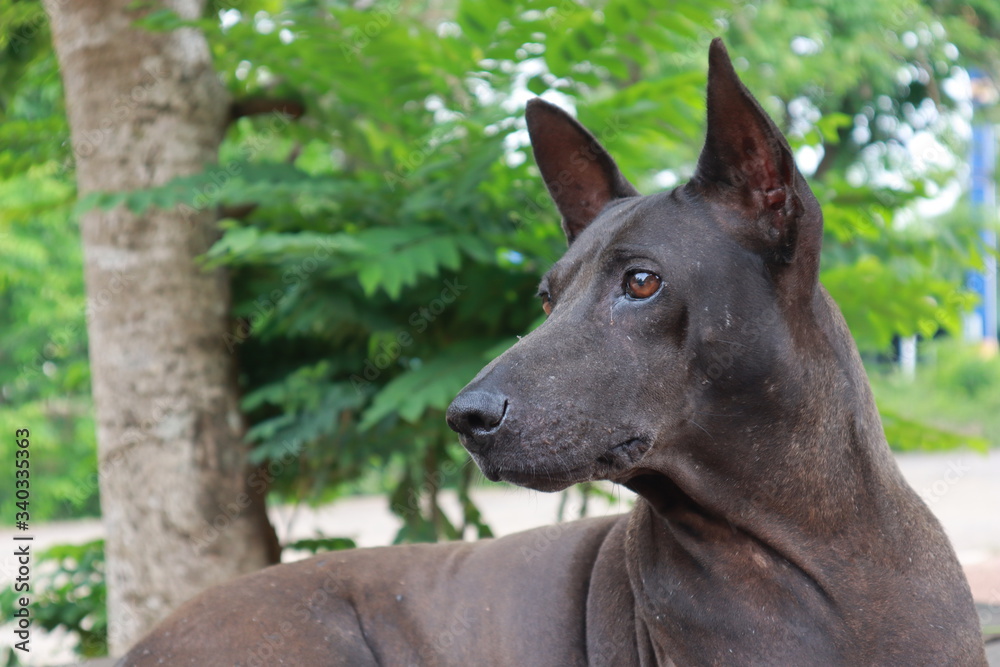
<point x="641" y="284"/>
<point x="546" y="303"/>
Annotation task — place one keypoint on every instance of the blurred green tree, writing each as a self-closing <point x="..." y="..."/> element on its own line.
<point x="403" y="226"/>
<point x="410" y="168"/>
<point x="44" y="374"/>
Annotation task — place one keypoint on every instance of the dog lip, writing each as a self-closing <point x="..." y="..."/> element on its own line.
<point x="539" y="481"/>
<point x="615" y="461"/>
<point x="490" y="472"/>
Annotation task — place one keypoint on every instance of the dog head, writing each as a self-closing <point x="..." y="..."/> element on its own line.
<point x="672" y="318"/>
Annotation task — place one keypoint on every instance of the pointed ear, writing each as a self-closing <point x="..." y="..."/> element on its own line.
<point x="580" y="175"/>
<point x="747" y="163"/>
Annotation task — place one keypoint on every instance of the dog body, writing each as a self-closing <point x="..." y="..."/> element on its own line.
<point x="691" y="355"/>
<point x="519" y="600"/>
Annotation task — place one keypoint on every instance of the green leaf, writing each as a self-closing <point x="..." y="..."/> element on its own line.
<point x="907" y="435"/>
<point x="317" y="545"/>
<point x="431" y="385"/>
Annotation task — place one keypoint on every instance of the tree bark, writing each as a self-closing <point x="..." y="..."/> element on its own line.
<point x="176" y="496"/>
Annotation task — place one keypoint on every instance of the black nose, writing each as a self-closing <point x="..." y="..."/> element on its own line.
<point x="477" y="414"/>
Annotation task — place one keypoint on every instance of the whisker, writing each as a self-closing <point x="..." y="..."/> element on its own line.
<point x="702" y="428"/>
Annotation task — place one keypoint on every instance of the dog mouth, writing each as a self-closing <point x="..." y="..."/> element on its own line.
<point x="612" y="463"/>
<point x="624" y="455"/>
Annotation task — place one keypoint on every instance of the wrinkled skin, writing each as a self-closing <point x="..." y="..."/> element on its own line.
<point x="691" y="355"/>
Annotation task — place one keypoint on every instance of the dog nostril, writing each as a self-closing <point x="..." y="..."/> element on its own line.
<point x="481" y="421"/>
<point x="477" y="413"/>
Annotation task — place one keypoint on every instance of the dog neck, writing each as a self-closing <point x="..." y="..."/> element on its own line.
<point x="793" y="547"/>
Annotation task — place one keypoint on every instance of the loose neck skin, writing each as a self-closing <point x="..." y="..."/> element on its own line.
<point x="786" y="534"/>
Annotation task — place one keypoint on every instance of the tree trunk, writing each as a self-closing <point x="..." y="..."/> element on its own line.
<point x="178" y="509"/>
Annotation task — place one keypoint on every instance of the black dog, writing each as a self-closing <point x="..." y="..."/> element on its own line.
<point x="691" y="355"/>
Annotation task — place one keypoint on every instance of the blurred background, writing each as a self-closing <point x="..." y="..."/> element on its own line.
<point x="364" y="198"/>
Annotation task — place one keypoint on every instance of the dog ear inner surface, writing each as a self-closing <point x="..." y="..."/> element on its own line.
<point x="747" y="163"/>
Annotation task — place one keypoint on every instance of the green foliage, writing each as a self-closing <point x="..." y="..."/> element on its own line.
<point x="954" y="400"/>
<point x="321" y="544"/>
<point x="420" y="227"/>
<point x="858" y="82"/>
<point x="44" y="375"/>
<point x="915" y="434"/>
<point x="372" y="293"/>
<point x="382" y="245"/>
<point x="69" y="592"/>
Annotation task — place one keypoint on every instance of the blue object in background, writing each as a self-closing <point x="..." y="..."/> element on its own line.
<point x="982" y="324"/>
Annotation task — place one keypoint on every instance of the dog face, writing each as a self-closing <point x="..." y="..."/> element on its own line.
<point x="671" y="318"/>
